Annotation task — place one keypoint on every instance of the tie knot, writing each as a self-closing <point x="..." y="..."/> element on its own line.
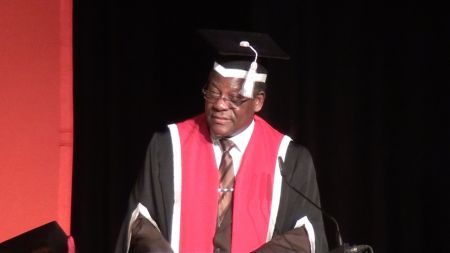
<point x="226" y="144"/>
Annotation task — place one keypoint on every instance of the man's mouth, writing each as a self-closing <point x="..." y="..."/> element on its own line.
<point x="219" y="119"/>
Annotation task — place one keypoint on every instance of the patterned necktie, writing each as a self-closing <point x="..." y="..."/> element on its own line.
<point x="226" y="179"/>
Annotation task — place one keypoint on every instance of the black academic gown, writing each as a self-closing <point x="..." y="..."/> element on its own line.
<point x="154" y="189"/>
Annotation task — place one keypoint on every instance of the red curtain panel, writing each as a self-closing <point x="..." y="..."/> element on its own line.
<point x="36" y="118"/>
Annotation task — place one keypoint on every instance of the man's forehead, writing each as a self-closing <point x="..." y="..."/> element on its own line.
<point x="215" y="79"/>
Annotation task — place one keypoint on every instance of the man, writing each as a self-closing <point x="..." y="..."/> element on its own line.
<point x="225" y="180"/>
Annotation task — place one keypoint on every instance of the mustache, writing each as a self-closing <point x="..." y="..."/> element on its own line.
<point x="219" y="115"/>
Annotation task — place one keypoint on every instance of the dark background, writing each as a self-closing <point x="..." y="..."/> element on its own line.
<point x="365" y="90"/>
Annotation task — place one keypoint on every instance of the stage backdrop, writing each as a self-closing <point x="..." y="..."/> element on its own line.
<point x="35" y="114"/>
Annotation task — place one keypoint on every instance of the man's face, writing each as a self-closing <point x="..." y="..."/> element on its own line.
<point x="224" y="119"/>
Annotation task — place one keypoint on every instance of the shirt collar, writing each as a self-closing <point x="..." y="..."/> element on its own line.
<point x="241" y="140"/>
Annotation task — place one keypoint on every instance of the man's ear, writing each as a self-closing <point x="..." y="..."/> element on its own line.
<point x="259" y="101"/>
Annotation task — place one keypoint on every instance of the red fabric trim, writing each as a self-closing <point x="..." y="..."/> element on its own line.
<point x="253" y="195"/>
<point x="199" y="187"/>
<point x="253" y="189"/>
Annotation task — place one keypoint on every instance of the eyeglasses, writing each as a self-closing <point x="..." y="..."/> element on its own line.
<point x="232" y="102"/>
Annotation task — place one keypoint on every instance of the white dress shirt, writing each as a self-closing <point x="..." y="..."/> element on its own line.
<point x="241" y="140"/>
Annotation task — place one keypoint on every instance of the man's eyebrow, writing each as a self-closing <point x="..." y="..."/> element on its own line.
<point x="214" y="84"/>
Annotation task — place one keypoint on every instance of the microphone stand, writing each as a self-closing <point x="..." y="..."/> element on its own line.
<point x="342" y="247"/>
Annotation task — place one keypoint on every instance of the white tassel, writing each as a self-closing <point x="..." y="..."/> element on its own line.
<point x="247" y="87"/>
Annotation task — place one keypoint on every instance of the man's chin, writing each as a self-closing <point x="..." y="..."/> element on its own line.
<point x="220" y="131"/>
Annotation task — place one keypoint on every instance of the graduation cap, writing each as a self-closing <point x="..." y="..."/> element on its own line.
<point x="238" y="52"/>
<point x="48" y="238"/>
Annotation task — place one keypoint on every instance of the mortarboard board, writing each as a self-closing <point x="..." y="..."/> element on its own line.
<point x="48" y="238"/>
<point x="237" y="55"/>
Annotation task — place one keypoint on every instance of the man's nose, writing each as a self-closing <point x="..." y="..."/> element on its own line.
<point x="222" y="103"/>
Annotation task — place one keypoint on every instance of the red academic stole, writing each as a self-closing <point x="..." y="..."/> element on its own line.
<point x="253" y="187"/>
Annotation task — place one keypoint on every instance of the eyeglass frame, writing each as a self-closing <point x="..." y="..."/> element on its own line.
<point x="232" y="103"/>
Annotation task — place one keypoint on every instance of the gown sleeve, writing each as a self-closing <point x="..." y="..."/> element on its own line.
<point x="299" y="175"/>
<point x="152" y="195"/>
<point x="295" y="240"/>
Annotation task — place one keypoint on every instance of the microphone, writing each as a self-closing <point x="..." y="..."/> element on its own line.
<point x="342" y="247"/>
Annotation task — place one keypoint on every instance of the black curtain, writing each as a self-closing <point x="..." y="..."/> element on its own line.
<point x="365" y="91"/>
